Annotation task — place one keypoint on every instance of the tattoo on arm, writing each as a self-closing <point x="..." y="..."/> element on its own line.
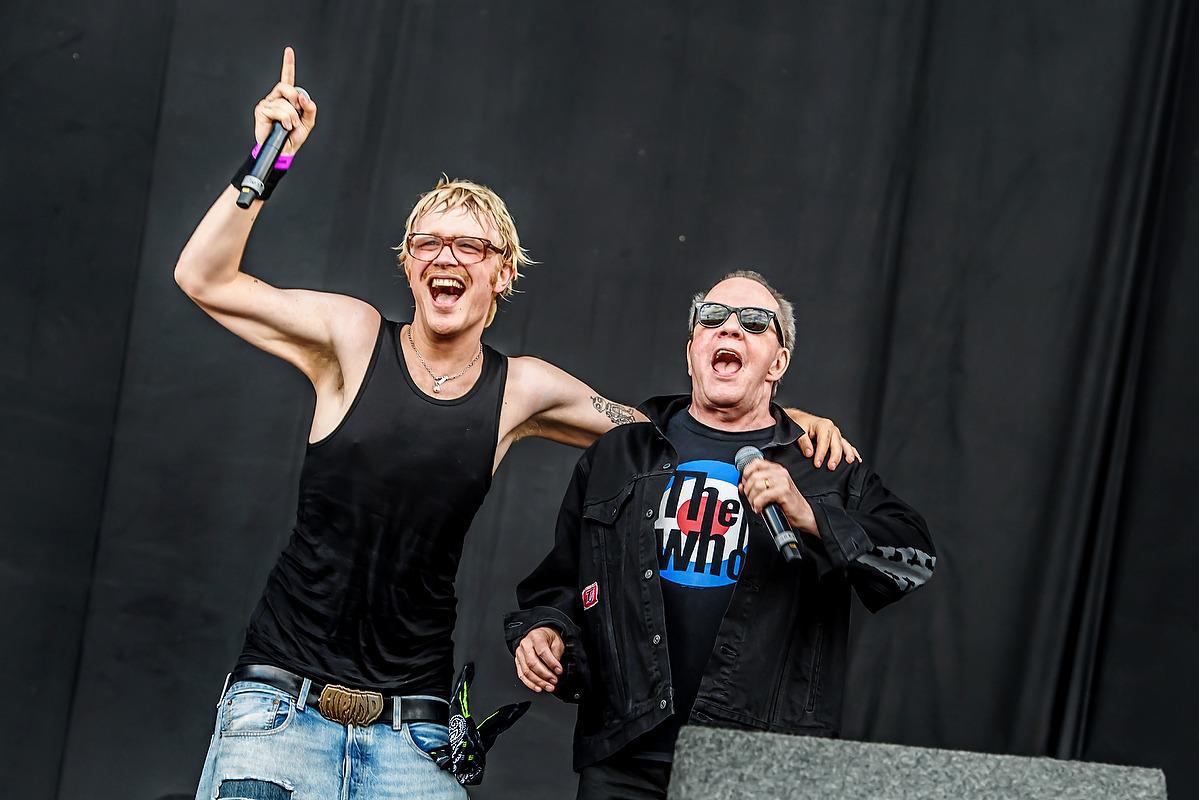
<point x="620" y="415"/>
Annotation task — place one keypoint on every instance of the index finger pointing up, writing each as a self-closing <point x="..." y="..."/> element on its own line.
<point x="288" y="73"/>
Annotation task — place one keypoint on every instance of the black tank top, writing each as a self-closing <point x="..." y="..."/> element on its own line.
<point x="363" y="594"/>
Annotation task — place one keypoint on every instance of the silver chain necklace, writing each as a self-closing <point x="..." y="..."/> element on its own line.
<point x="438" y="380"/>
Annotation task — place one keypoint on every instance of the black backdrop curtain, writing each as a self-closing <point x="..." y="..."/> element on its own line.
<point x="985" y="213"/>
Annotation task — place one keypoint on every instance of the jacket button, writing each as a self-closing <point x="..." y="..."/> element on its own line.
<point x="662" y="704"/>
<point x="649" y="513"/>
<point x="657" y="638"/>
<point x="578" y="695"/>
<point x="649" y="573"/>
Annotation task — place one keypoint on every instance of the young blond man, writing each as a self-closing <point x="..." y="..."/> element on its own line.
<point x="342" y="682"/>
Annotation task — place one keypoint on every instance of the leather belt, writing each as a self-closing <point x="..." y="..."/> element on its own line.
<point x="344" y="705"/>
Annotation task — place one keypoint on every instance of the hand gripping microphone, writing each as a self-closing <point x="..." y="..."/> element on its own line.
<point x="772" y="515"/>
<point x="254" y="184"/>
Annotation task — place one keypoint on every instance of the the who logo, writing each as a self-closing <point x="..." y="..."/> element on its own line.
<point x="702" y="528"/>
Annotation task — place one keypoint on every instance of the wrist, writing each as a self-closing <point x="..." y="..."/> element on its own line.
<point x="277" y="173"/>
<point x="801" y="517"/>
<point x="800" y="417"/>
<point x="550" y="627"/>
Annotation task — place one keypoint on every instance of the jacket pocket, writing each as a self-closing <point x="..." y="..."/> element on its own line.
<point x="814" y="673"/>
<point x="605" y="511"/>
<point x="614" y="673"/>
<point x="601" y="518"/>
<point x="776" y="697"/>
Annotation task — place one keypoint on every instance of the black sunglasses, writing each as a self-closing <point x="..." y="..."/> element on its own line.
<point x="752" y="318"/>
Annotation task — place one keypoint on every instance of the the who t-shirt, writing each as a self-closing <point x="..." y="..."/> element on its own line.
<point x="703" y="538"/>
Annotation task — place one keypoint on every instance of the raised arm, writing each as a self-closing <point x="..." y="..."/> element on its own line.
<point x="310" y="330"/>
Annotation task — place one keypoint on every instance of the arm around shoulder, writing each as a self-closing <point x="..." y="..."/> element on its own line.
<point x="560" y="407"/>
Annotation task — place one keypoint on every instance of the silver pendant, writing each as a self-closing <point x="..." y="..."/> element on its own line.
<point x="437" y="383"/>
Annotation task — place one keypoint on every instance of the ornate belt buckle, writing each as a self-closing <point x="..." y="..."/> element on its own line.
<point x="350" y="706"/>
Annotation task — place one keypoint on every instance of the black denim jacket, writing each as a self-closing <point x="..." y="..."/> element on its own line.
<point x="778" y="663"/>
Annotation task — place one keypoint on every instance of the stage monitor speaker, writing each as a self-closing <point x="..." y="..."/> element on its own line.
<point x="720" y="764"/>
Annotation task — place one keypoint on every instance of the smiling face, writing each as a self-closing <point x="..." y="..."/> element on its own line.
<point x="733" y="372"/>
<point x="452" y="297"/>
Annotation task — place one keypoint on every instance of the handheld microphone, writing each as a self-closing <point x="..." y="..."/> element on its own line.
<point x="772" y="515"/>
<point x="254" y="184"/>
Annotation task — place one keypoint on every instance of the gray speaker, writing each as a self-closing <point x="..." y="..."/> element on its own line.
<point x="718" y="764"/>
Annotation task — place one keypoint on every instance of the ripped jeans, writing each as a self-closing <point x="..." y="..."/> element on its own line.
<point x="268" y="746"/>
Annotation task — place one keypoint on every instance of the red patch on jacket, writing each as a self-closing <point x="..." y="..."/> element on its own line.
<point x="590" y="596"/>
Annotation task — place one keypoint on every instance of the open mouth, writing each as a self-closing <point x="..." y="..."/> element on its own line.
<point x="726" y="362"/>
<point x="445" y="290"/>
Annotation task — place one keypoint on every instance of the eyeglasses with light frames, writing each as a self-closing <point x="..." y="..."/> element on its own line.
<point x="467" y="249"/>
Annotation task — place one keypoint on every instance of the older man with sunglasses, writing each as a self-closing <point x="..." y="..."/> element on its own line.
<point x="665" y="601"/>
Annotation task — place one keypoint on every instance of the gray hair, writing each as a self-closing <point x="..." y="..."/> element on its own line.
<point x="786" y="312"/>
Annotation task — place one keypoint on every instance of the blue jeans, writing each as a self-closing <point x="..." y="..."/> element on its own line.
<point x="268" y="746"/>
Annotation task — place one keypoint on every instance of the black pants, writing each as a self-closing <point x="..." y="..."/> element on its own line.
<point x="624" y="779"/>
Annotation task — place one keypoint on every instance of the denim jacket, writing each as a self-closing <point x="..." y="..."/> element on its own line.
<point x="779" y="660"/>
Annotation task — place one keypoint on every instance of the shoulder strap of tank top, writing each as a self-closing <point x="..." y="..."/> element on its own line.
<point x="495" y="369"/>
<point x="391" y="332"/>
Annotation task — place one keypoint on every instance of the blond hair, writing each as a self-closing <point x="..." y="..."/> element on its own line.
<point x="488" y="209"/>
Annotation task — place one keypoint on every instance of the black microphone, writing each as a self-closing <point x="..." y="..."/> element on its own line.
<point x="254" y="184"/>
<point x="772" y="515"/>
